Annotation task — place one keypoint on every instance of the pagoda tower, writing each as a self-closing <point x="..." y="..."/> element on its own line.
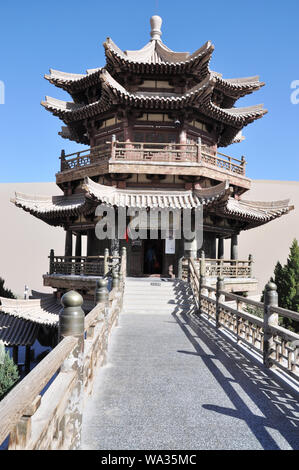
<point x="154" y="120"/>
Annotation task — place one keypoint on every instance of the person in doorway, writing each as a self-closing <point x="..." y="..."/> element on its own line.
<point x="150" y="259"/>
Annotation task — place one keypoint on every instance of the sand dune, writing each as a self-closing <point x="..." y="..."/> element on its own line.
<point x="270" y="243"/>
<point x="26" y="241"/>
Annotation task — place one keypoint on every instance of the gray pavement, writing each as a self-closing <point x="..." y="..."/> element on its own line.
<point x="173" y="382"/>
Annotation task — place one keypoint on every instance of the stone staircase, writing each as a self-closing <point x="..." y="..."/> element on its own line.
<point x="157" y="296"/>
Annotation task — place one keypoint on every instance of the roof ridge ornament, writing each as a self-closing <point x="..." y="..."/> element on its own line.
<point x="156" y="23"/>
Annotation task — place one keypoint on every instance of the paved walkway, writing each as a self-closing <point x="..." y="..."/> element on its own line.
<point x="173" y="382"/>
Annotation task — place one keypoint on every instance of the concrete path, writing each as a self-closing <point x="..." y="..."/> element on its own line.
<point x="173" y="382"/>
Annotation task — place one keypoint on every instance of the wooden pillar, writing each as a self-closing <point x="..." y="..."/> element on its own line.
<point x="220" y="248"/>
<point x="15" y="354"/>
<point x="95" y="246"/>
<point x="213" y="245"/>
<point x="68" y="243"/>
<point x="183" y="136"/>
<point x="234" y="247"/>
<point x="27" y="359"/>
<point x="78" y="251"/>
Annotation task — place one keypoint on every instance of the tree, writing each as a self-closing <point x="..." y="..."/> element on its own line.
<point x="5" y="292"/>
<point x="287" y="280"/>
<point x="8" y="372"/>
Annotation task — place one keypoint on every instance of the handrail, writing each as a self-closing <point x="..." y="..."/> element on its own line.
<point x="79" y="265"/>
<point x="285" y="313"/>
<point x="41" y="422"/>
<point x="158" y="151"/>
<point x="227" y="267"/>
<point x="243" y="161"/>
<point x="264" y="335"/>
<point x="12" y="407"/>
<point x="221" y="260"/>
<point x="77" y="257"/>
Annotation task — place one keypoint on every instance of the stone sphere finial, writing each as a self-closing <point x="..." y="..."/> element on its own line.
<point x="271" y="286"/>
<point x="72" y="299"/>
<point x="156" y="23"/>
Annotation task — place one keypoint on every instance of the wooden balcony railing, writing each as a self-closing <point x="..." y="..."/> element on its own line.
<point x="85" y="157"/>
<point x="157" y="152"/>
<point x="82" y="265"/>
<point x="77" y="265"/>
<point x="228" y="267"/>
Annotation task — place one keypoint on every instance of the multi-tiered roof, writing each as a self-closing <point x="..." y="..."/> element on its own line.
<point x="191" y="89"/>
<point x="179" y="86"/>
<point x="218" y="199"/>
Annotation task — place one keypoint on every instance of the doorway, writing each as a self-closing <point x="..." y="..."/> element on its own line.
<point x="153" y="256"/>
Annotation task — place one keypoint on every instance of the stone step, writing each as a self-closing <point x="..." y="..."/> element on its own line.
<point x="167" y="288"/>
<point x="157" y="303"/>
<point x="163" y="310"/>
<point x="152" y="285"/>
<point x="152" y="295"/>
<point x="171" y="293"/>
<point x="154" y="298"/>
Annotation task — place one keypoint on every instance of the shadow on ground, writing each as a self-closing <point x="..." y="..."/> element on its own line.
<point x="278" y="405"/>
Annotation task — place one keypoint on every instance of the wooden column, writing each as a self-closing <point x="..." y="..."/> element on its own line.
<point x="78" y="251"/>
<point x="213" y="245"/>
<point x="220" y="248"/>
<point x="95" y="246"/>
<point x="27" y="359"/>
<point x="90" y="238"/>
<point x="15" y="354"/>
<point x="183" y="136"/>
<point x="68" y="243"/>
<point x="234" y="247"/>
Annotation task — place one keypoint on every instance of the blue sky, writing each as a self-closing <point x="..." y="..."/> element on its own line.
<point x="257" y="37"/>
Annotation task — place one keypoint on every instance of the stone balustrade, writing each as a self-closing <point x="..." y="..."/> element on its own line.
<point x="254" y="324"/>
<point x="44" y="410"/>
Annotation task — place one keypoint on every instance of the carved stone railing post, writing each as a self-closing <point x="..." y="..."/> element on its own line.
<point x="219" y="298"/>
<point x="106" y="261"/>
<point x="71" y="323"/>
<point x="270" y="319"/>
<point x="180" y="267"/>
<point x="102" y="296"/>
<point x="123" y="262"/>
<point x="203" y="279"/>
<point x="21" y="434"/>
<point x="115" y="278"/>
<point x="101" y="292"/>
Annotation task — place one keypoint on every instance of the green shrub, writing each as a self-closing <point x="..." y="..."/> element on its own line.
<point x="8" y="372"/>
<point x="287" y="280"/>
